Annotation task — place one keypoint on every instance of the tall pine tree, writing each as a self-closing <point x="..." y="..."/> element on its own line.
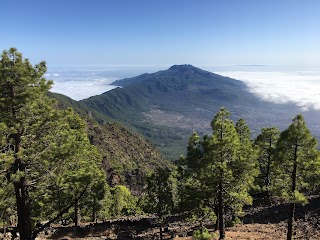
<point x="160" y="191"/>
<point x="196" y="197"/>
<point x="266" y="141"/>
<point x="230" y="164"/>
<point x="296" y="164"/>
<point x="37" y="141"/>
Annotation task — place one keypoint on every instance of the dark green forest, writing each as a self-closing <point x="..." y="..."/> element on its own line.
<point x="66" y="162"/>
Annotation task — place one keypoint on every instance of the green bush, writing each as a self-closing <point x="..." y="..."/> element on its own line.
<point x="233" y="222"/>
<point x="202" y="234"/>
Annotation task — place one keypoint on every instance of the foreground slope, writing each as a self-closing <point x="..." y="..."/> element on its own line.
<point x="263" y="221"/>
<point x="167" y="106"/>
<point x="127" y="156"/>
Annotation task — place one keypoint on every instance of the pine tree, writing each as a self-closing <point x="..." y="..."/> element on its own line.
<point x="37" y="141"/>
<point x="196" y="198"/>
<point x="246" y="168"/>
<point x="83" y="172"/>
<point x="230" y="165"/>
<point x="160" y="195"/>
<point x="21" y="85"/>
<point x="297" y="163"/>
<point x="266" y="142"/>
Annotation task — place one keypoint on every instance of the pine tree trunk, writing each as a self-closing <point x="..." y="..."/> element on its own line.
<point x="268" y="180"/>
<point x="76" y="214"/>
<point x="290" y="221"/>
<point x="221" y="213"/>
<point x="220" y="197"/>
<point x="94" y="213"/>
<point x="23" y="200"/>
<point x="293" y="189"/>
<point x="216" y="212"/>
<point x="23" y="210"/>
<point x="161" y="234"/>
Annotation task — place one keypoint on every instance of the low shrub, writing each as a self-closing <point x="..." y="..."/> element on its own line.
<point x="202" y="234"/>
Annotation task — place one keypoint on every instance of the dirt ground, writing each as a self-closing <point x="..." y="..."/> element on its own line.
<point x="239" y="232"/>
<point x="254" y="231"/>
<point x="263" y="232"/>
<point x="262" y="221"/>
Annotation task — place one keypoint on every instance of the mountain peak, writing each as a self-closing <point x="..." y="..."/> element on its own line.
<point x="187" y="73"/>
<point x="183" y="67"/>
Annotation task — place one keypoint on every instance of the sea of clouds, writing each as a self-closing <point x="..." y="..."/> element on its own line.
<point x="299" y="87"/>
<point x="80" y="85"/>
<point x="80" y="82"/>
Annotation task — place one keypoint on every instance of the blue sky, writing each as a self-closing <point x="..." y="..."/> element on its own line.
<point x="199" y="32"/>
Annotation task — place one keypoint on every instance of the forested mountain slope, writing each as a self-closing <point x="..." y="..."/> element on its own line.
<point x="167" y="106"/>
<point x="127" y="156"/>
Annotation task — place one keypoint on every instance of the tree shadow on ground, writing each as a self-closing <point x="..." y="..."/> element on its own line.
<point x="265" y="211"/>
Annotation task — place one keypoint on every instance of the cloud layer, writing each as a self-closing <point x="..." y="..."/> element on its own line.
<point x="301" y="88"/>
<point x="81" y="84"/>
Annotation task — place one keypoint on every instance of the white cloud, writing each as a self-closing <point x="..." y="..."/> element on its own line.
<point x="81" y="82"/>
<point x="301" y="88"/>
<point x="80" y="85"/>
<point x="80" y="90"/>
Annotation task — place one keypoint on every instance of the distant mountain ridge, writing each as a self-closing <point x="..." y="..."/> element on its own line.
<point x="167" y="106"/>
<point x="188" y="83"/>
<point x="185" y="69"/>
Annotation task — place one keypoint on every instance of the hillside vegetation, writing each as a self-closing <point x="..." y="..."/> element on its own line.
<point x="127" y="156"/>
